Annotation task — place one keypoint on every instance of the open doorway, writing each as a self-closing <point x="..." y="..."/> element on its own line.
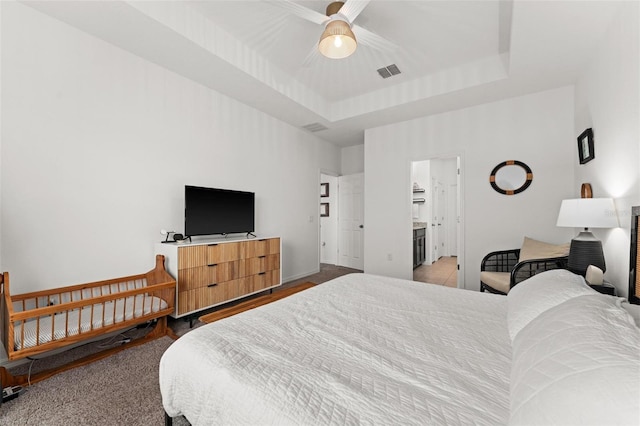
<point x="436" y="220"/>
<point x="342" y="221"/>
<point x="328" y="219"/>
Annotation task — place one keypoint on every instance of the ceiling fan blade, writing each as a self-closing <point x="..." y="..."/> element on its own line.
<point x="300" y="11"/>
<point x="311" y="58"/>
<point x="352" y="8"/>
<point x="373" y="40"/>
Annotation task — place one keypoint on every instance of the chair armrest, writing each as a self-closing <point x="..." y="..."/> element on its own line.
<point x="500" y="261"/>
<point x="528" y="268"/>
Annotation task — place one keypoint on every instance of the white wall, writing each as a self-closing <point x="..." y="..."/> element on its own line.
<point x="536" y="129"/>
<point x="607" y="99"/>
<point x="352" y="160"/>
<point x="97" y="145"/>
<point x="329" y="225"/>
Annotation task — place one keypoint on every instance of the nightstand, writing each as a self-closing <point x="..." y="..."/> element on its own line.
<point x="604" y="288"/>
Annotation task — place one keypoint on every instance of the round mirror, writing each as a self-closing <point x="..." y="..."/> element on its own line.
<point x="511" y="177"/>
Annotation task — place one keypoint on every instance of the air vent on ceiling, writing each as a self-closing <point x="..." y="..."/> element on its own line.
<point x="389" y="71"/>
<point x="315" y="127"/>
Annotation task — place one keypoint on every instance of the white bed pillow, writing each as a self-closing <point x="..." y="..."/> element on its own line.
<point x="543" y="291"/>
<point x="634" y="311"/>
<point x="578" y="363"/>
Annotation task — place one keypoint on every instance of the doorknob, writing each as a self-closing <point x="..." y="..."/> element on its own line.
<point x="361" y="226"/>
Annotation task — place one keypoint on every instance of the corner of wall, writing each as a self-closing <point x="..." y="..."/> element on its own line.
<point x="352" y="159"/>
<point x="602" y="102"/>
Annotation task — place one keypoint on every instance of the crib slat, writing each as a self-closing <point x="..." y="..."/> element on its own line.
<point x="80" y="319"/>
<point x="104" y="305"/>
<point x="66" y="323"/>
<point x="91" y="318"/>
<point x="133" y="312"/>
<point x="115" y="302"/>
<point x="37" y="330"/>
<point x="22" y="335"/>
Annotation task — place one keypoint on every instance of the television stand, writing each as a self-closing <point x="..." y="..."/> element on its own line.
<point x="216" y="271"/>
<point x="247" y="236"/>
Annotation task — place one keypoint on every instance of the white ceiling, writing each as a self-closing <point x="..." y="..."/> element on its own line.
<point x="452" y="53"/>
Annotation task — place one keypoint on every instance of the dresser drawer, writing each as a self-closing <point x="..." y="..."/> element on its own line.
<point x="203" y="297"/>
<point x="259" y="264"/>
<point x="224" y="252"/>
<point x="255" y="283"/>
<point x="257" y="248"/>
<point x="202" y="276"/>
<point x="190" y="257"/>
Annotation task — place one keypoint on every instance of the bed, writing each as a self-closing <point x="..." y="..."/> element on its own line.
<point x="37" y="322"/>
<point x="365" y="349"/>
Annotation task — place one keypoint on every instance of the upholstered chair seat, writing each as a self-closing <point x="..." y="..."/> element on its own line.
<point x="501" y="270"/>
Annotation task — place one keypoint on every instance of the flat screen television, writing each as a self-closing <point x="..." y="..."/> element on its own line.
<point x="211" y="211"/>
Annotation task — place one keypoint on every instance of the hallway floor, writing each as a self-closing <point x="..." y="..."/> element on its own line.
<point x="441" y="272"/>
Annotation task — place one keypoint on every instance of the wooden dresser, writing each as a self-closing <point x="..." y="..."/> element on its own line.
<point x="213" y="272"/>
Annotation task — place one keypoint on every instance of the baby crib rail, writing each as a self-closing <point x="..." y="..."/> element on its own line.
<point x="49" y="319"/>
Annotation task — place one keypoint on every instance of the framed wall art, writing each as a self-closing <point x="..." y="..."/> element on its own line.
<point x="585" y="146"/>
<point x="324" y="189"/>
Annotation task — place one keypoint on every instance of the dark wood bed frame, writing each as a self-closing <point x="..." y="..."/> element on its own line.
<point x="634" y="259"/>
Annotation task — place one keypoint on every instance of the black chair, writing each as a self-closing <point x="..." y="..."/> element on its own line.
<point x="501" y="270"/>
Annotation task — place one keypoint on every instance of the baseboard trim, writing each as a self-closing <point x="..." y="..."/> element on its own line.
<point x="298" y="276"/>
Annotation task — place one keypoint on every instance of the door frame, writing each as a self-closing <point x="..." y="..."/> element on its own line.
<point x="460" y="200"/>
<point x="319" y="219"/>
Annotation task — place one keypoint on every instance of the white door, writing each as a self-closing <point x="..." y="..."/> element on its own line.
<point x="441" y="224"/>
<point x="435" y="229"/>
<point x="452" y="220"/>
<point x="351" y="221"/>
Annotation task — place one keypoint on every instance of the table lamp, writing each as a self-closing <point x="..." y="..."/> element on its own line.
<point x="587" y="213"/>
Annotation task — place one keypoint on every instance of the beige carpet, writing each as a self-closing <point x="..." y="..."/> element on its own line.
<point x="119" y="390"/>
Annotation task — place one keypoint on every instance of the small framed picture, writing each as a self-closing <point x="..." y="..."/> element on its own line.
<point x="324" y="189"/>
<point x="324" y="209"/>
<point x="585" y="146"/>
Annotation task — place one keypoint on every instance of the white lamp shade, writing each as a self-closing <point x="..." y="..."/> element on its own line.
<point x="337" y="40"/>
<point x="588" y="213"/>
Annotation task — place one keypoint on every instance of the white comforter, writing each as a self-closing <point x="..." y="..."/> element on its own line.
<point x="360" y="349"/>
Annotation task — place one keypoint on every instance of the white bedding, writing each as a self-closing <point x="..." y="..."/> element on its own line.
<point x="360" y="349"/>
<point x="82" y="320"/>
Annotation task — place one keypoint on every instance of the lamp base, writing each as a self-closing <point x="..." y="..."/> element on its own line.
<point x="585" y="250"/>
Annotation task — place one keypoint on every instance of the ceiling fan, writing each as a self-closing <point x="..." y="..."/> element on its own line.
<point x="341" y="36"/>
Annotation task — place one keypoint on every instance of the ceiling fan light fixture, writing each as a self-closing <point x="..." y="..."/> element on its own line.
<point x="337" y="41"/>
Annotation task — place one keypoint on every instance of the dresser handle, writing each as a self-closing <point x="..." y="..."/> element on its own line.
<point x="212" y="285"/>
<point x="262" y="273"/>
<point x="261" y="257"/>
<point x="212" y="264"/>
<point x="211" y="245"/>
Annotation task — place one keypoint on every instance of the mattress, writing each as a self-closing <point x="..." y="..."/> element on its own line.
<point x="360" y="349"/>
<point x="81" y="320"/>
